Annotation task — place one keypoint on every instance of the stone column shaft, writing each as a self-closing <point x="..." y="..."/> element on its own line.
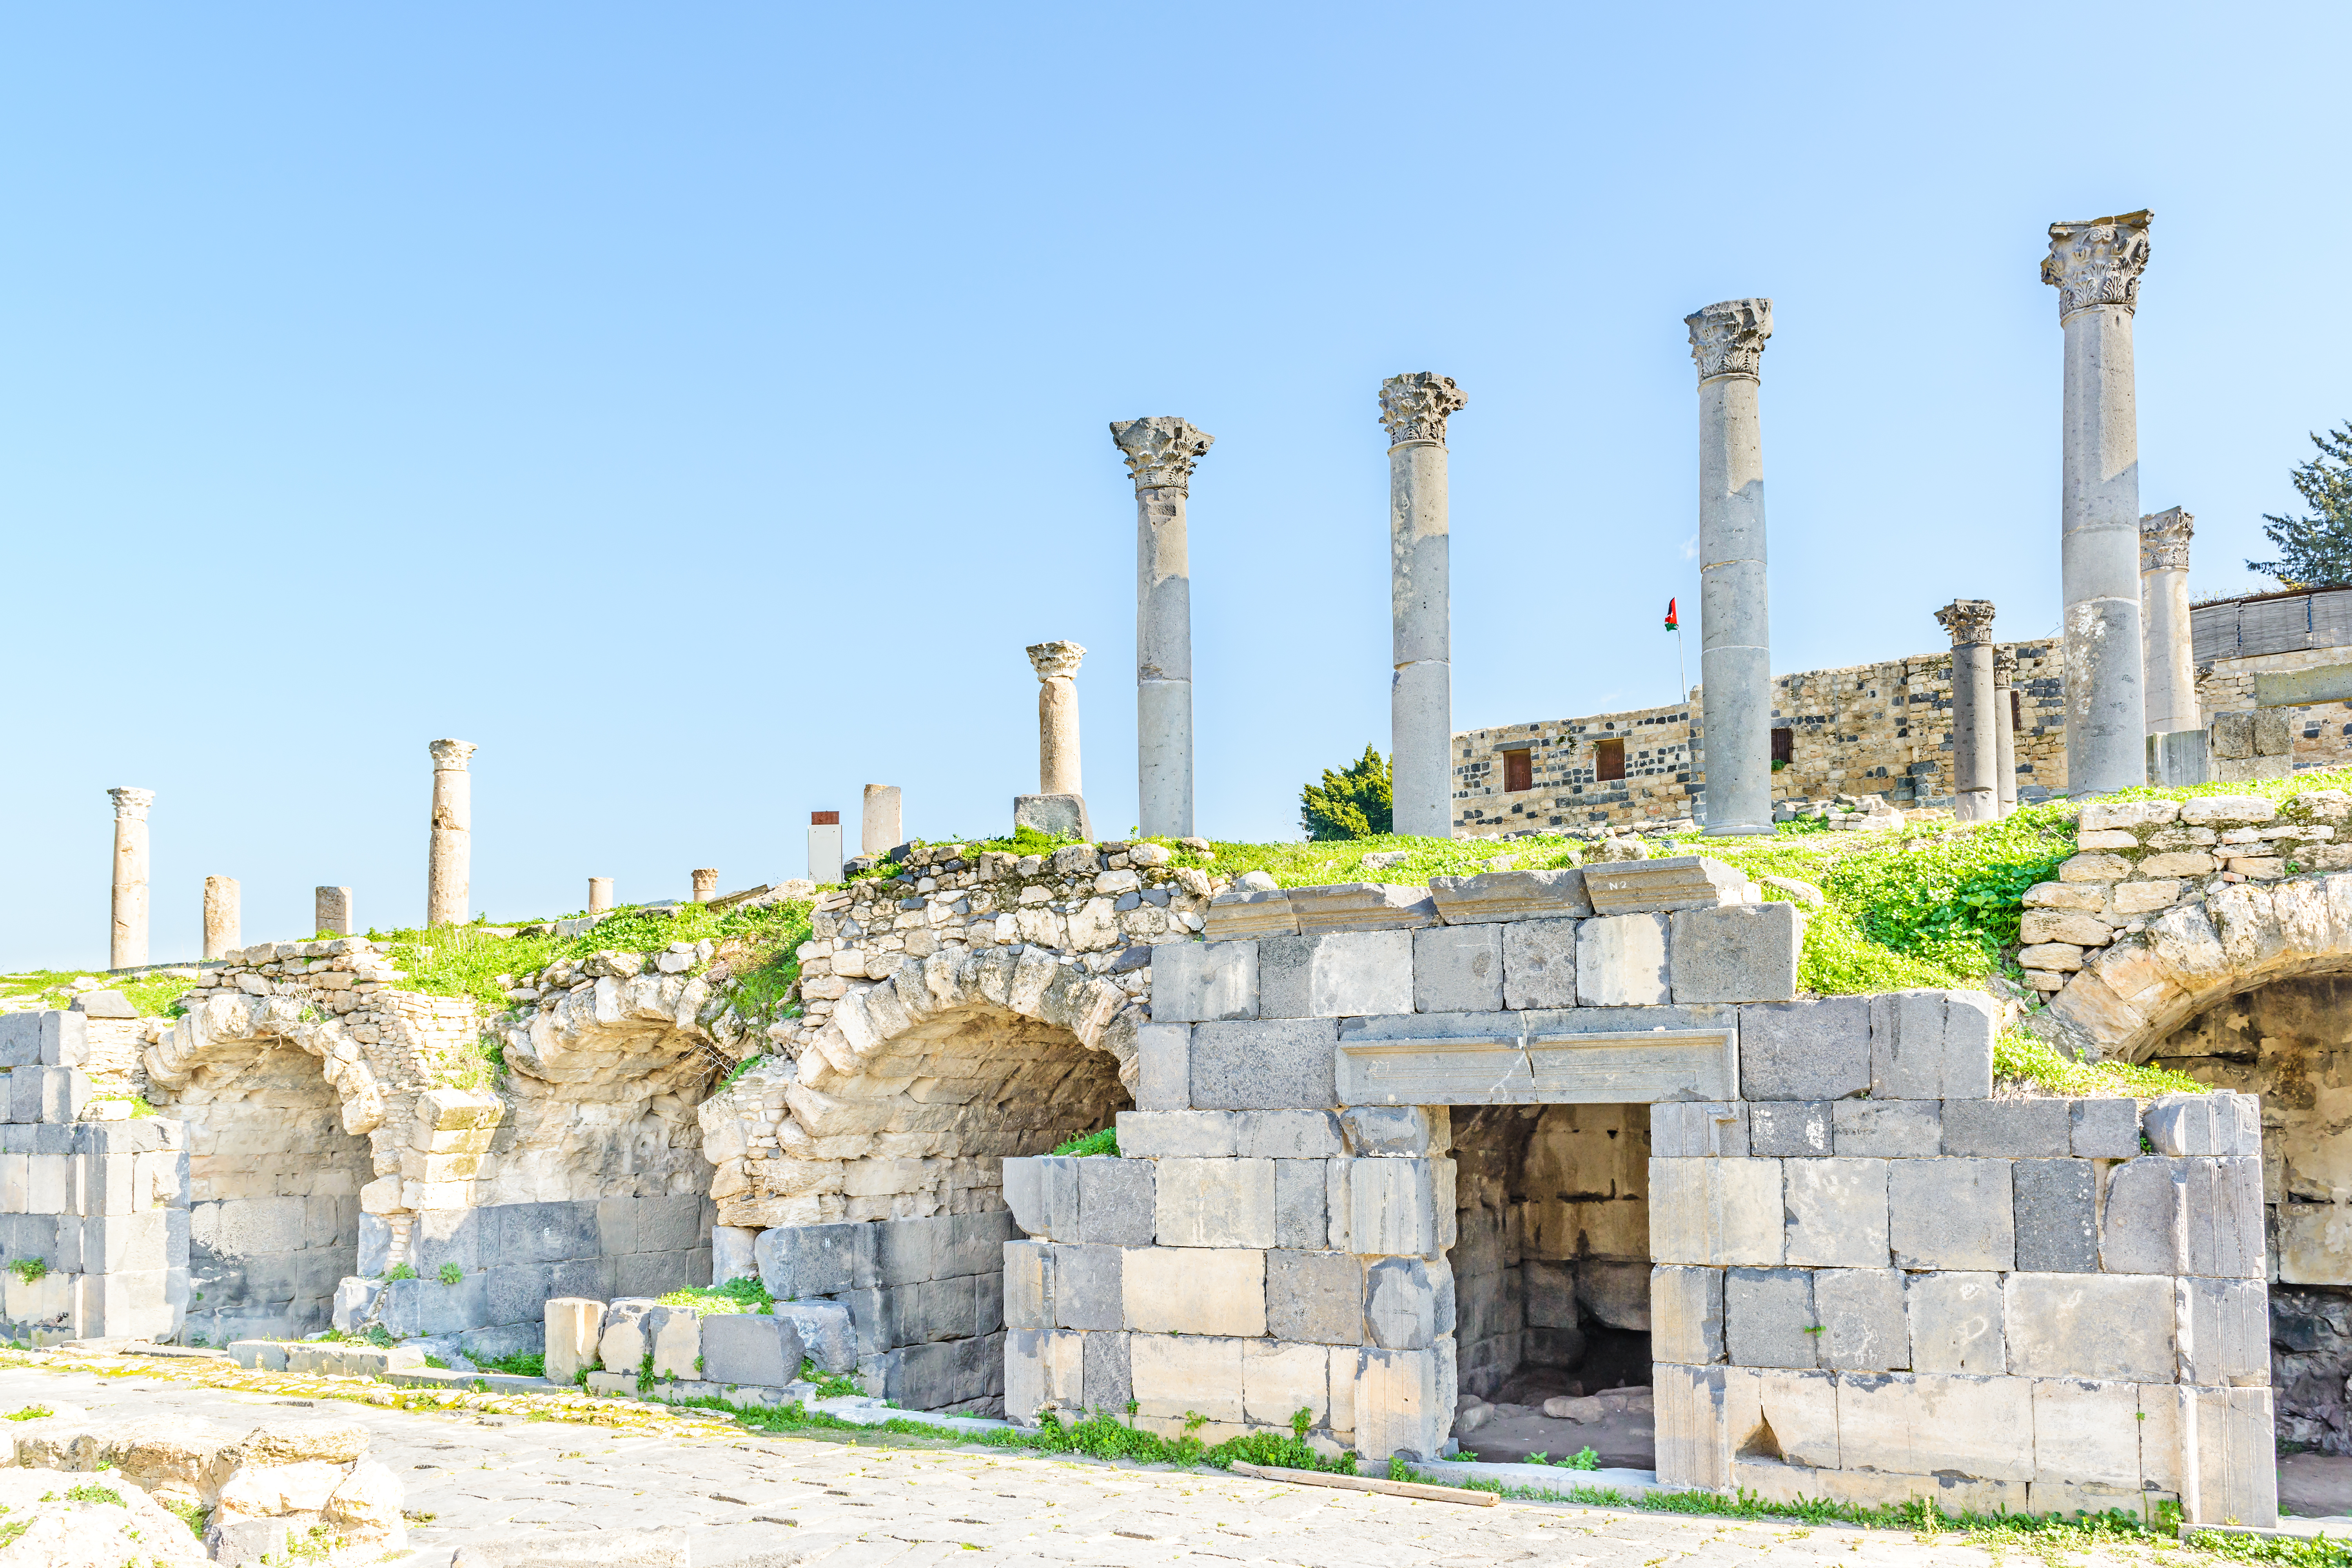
<point x="449" y="861"/>
<point x="706" y="883"/>
<point x="1414" y="408"/>
<point x="2004" y="729"/>
<point x="1160" y="452"/>
<point x="878" y="823"/>
<point x="2095" y="266"/>
<point x="1056" y="664"/>
<point x="600" y="894"/>
<point x="824" y="848"/>
<point x="330" y="908"/>
<point x="1976" y="742"/>
<point x="128" y="947"/>
<point x="221" y="917"/>
<point x="2169" y="659"/>
<point x="1735" y="623"/>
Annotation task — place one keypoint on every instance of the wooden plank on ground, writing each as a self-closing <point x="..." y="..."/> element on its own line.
<point x="1370" y="1484"/>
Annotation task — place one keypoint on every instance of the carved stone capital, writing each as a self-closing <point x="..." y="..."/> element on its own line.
<point x="2004" y="666"/>
<point x="1161" y="451"/>
<point x="1727" y="339"/>
<point x="1052" y="660"/>
<point x="2164" y="540"/>
<point x="131" y="802"/>
<point x="1415" y="407"/>
<point x="449" y="756"/>
<point x="2098" y="261"/>
<point x="1969" y="621"/>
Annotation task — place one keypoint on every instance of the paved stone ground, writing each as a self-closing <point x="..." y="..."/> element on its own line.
<point x="759" y="1501"/>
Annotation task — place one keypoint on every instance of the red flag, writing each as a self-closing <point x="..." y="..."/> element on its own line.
<point x="1671" y="624"/>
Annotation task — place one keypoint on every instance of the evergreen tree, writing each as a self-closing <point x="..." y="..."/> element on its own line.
<point x="1353" y="803"/>
<point x="2316" y="552"/>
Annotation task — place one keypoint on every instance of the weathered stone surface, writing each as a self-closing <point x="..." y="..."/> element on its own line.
<point x="1195" y="981"/>
<point x="2110" y="1326"/>
<point x="1887" y="1129"/>
<point x="827" y="1335"/>
<point x="1864" y="1324"/>
<point x="1244" y="915"/>
<point x="1396" y="1129"/>
<point x="1393" y="1207"/>
<point x="1715" y="1212"/>
<point x="1674" y="882"/>
<point x="1289" y="1135"/>
<point x="1621" y="962"/>
<point x="1788" y="1127"/>
<point x="2086" y="1431"/>
<point x="1314" y="1297"/>
<point x="1301" y="1203"/>
<point x="2144" y="1224"/>
<point x="1698" y="1129"/>
<point x="1768" y="1317"/>
<point x="2223" y="1329"/>
<point x="1931" y="1045"/>
<point x="1805" y="1050"/>
<point x="1408" y="1302"/>
<point x="1956" y="1322"/>
<point x="1404" y="1401"/>
<point x="1043" y="1370"/>
<point x="1029" y="1285"/>
<point x="1183" y="1374"/>
<point x="1336" y="973"/>
<point x="1925" y="1424"/>
<point x="1363" y="907"/>
<point x="1116" y="1201"/>
<point x="2104" y="1129"/>
<point x="2056" y="1206"/>
<point x="2220" y="1123"/>
<point x="1088" y="1287"/>
<point x="1837" y="1212"/>
<point x="2236" y="1453"/>
<point x="574" y="1326"/>
<point x="1951" y="1214"/>
<point x="750" y="1348"/>
<point x="1539" y="963"/>
<point x="1511" y="896"/>
<point x="1686" y="1314"/>
<point x="1459" y="969"/>
<point x="1186" y="1134"/>
<point x="1742" y="953"/>
<point x="1215" y="1203"/>
<point x="2009" y="1129"/>
<point x="1266" y="1064"/>
<point x="1195" y="1291"/>
<point x="1108" y="1378"/>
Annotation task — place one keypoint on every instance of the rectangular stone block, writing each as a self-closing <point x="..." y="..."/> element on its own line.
<point x="65" y="1039"/>
<point x="1158" y="1134"/>
<point x="1396" y="1129"/>
<point x="2144" y="1226"/>
<point x="1671" y="882"/>
<point x="1922" y="1423"/>
<point x="1315" y="1298"/>
<point x="1089" y="1291"/>
<point x="1289" y="1135"/>
<point x="2222" y="1328"/>
<point x="2086" y="1431"/>
<point x="1403" y="1402"/>
<point x="1268" y="1065"/>
<point x="1951" y="1214"/>
<point x="1767" y="1318"/>
<point x="20" y="1039"/>
<point x="1164" y="1067"/>
<point x="1301" y="1206"/>
<point x="1409" y="1303"/>
<point x="1194" y="1290"/>
<point x="750" y="1348"/>
<point x="1621" y="962"/>
<point x="1694" y="1441"/>
<point x="2228" y="1436"/>
<point x="572" y="1327"/>
<point x="1741" y="953"/>
<point x="1797" y="1410"/>
<point x="2216" y="1123"/>
<point x="1215" y="1203"/>
<point x="1237" y="915"/>
<point x="1279" y="1380"/>
<point x="1788" y="1127"/>
<point x="2105" y="1129"/>
<point x="1955" y="1324"/>
<point x="1392" y="1203"/>
<point x="1109" y="1382"/>
<point x="1043" y="1371"/>
<point x="1363" y="907"/>
<point x="1865" y="1327"/>
<point x="1186" y="1374"/>
<point x="1511" y="896"/>
<point x="1333" y="974"/>
<point x="1117" y="1201"/>
<point x="1931" y="1045"/>
<point x="2057" y="1223"/>
<point x="1805" y="1050"/>
<point x="1029" y="1285"/>
<point x="1192" y="981"/>
<point x="1459" y="969"/>
<point x="2110" y="1327"/>
<point x="1887" y="1129"/>
<point x="1041" y="1190"/>
<point x="2009" y="1129"/>
<point x="1686" y="1314"/>
<point x="1715" y="1212"/>
<point x="1538" y="962"/>
<point x="2224" y="1220"/>
<point x="1837" y="1212"/>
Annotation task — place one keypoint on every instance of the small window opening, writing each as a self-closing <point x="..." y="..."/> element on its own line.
<point x="1609" y="759"/>
<point x="1518" y="771"/>
<point x="1784" y="747"/>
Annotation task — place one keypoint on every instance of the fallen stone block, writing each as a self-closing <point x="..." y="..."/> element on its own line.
<point x="1511" y="896"/>
<point x="1662" y="886"/>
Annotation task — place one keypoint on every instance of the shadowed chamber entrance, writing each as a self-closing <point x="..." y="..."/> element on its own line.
<point x="2290" y="1042"/>
<point x="1551" y="1279"/>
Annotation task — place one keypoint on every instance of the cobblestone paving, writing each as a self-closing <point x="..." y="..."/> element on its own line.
<point x="760" y="1501"/>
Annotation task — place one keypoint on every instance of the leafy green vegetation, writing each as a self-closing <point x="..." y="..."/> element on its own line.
<point x="31" y="1271"/>
<point x="31" y="1413"/>
<point x="744" y="1294"/>
<point x="1103" y="1143"/>
<point x="1356" y="802"/>
<point x="191" y="1514"/>
<point x="2316" y="552"/>
<point x="401" y="1271"/>
<point x="2021" y="1058"/>
<point x="154" y="996"/>
<point x="522" y="1364"/>
<point x="452" y="1274"/>
<point x="91" y="1491"/>
<point x="829" y="1384"/>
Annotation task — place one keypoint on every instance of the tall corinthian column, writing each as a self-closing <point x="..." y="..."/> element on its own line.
<point x="1976" y="745"/>
<point x="1056" y="664"/>
<point x="1734" y="619"/>
<point x="2169" y="661"/>
<point x="449" y="862"/>
<point x="2096" y="267"/>
<point x="2004" y="729"/>
<point x="129" y="948"/>
<point x="1159" y="453"/>
<point x="1421" y="692"/>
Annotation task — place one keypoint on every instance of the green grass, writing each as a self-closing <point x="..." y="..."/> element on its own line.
<point x="522" y="1364"/>
<point x="1103" y="1143"/>
<point x="744" y="1294"/>
<point x="2021" y="1058"/>
<point x="31" y="1413"/>
<point x="829" y="1384"/>
<point x="191" y="1514"/>
<point x="2268" y="789"/>
<point x="152" y="995"/>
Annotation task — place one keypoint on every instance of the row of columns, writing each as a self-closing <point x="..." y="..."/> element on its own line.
<point x="127" y="947"/>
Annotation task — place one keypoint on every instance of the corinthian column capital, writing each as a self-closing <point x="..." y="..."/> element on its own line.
<point x="2098" y="261"/>
<point x="2164" y="540"/>
<point x="449" y="756"/>
<point x="1414" y="406"/>
<point x="1161" y="451"/>
<point x="1727" y="339"/>
<point x="1969" y="621"/>
<point x="2004" y="666"/>
<point x="131" y="802"/>
<point x="1053" y="660"/>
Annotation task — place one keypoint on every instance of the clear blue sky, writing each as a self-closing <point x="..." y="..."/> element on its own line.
<point x="699" y="408"/>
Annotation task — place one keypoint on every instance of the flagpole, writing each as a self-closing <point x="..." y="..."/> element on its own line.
<point x="1682" y="669"/>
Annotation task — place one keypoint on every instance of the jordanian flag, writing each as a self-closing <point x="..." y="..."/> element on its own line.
<point x="1671" y="624"/>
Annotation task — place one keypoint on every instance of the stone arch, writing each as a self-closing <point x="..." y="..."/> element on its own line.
<point x="905" y="1102"/>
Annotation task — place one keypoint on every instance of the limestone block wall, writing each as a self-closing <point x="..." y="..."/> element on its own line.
<point x="101" y="1204"/>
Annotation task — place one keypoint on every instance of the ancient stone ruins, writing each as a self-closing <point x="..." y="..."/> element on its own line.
<point x="1403" y="1161"/>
